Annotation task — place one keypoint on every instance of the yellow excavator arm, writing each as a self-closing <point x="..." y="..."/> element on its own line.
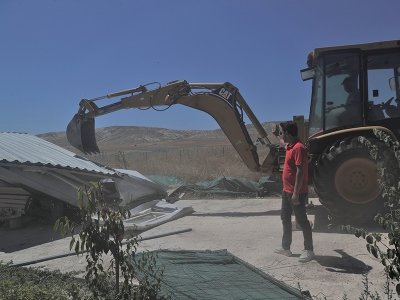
<point x="220" y="100"/>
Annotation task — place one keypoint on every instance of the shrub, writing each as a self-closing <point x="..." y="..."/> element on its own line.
<point x="34" y="283"/>
<point x="102" y="231"/>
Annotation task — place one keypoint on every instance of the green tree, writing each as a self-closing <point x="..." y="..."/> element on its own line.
<point x="101" y="233"/>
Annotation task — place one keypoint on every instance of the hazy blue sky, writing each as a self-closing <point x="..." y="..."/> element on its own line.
<point x="54" y="53"/>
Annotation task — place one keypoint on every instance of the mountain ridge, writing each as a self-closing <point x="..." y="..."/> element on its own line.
<point x="113" y="136"/>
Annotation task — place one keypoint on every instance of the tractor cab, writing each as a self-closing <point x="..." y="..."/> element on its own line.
<point x="354" y="87"/>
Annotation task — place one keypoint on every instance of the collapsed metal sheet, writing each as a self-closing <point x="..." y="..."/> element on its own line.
<point x="155" y="213"/>
<point x="134" y="187"/>
<point x="147" y="201"/>
<point x="152" y="214"/>
<point x="45" y="183"/>
<point x="29" y="150"/>
<point x="47" y="171"/>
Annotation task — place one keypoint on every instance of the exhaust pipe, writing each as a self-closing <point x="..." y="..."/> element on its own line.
<point x="81" y="134"/>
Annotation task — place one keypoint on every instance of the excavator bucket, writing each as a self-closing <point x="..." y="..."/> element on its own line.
<point x="81" y="134"/>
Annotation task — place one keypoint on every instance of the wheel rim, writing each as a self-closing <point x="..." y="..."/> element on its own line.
<point x="356" y="181"/>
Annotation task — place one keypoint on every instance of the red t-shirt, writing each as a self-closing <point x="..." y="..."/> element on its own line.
<point x="296" y="155"/>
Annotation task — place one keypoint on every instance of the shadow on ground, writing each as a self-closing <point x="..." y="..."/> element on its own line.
<point x="326" y="223"/>
<point x="32" y="234"/>
<point x="18" y="239"/>
<point x="344" y="264"/>
<point x="323" y="222"/>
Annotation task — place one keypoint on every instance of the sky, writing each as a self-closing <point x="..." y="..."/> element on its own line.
<point x="55" y="53"/>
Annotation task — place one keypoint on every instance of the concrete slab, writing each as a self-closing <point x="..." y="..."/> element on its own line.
<point x="248" y="228"/>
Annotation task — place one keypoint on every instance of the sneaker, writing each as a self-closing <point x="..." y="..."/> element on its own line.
<point x="306" y="256"/>
<point x="282" y="251"/>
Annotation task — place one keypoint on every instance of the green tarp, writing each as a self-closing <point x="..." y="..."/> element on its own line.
<point x="222" y="185"/>
<point x="217" y="275"/>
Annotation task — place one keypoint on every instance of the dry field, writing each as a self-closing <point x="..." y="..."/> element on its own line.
<point x="191" y="155"/>
<point x="189" y="164"/>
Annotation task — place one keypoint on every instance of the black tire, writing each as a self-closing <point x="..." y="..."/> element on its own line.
<point x="346" y="179"/>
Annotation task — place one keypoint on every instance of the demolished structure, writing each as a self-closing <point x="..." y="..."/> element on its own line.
<point x="34" y="172"/>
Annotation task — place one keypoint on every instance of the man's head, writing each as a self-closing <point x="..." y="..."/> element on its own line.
<point x="289" y="130"/>
<point x="349" y="84"/>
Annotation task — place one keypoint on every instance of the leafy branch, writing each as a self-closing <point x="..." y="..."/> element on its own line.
<point x="102" y="232"/>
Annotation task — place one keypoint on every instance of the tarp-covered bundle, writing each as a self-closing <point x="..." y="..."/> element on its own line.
<point x="222" y="185"/>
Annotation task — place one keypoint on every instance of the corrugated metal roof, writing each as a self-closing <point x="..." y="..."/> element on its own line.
<point x="23" y="148"/>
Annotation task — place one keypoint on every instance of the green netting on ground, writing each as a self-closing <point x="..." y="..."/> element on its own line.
<point x="225" y="185"/>
<point x="217" y="275"/>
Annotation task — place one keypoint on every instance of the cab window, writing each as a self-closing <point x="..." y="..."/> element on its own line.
<point x="383" y="101"/>
<point x="343" y="105"/>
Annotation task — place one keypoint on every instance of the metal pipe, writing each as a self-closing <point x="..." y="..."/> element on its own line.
<point x="30" y="262"/>
<point x="252" y="117"/>
<point x="140" y="88"/>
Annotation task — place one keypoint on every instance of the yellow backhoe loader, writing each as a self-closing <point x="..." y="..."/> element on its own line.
<point x="355" y="90"/>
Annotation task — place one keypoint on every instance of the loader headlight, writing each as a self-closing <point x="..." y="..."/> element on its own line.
<point x="307" y="74"/>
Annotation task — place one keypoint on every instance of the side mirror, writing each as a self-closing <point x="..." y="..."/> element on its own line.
<point x="307" y="74"/>
<point x="392" y="84"/>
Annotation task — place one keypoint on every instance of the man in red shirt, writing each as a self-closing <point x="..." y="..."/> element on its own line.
<point x="295" y="190"/>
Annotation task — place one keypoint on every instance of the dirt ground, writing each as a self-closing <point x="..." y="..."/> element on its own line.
<point x="248" y="228"/>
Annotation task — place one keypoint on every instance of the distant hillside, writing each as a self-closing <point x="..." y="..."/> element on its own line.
<point x="128" y="135"/>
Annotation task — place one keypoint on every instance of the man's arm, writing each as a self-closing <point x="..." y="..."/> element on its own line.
<point x="297" y="184"/>
<point x="276" y="133"/>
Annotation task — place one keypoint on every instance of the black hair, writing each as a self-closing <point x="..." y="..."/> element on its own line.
<point x="290" y="127"/>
